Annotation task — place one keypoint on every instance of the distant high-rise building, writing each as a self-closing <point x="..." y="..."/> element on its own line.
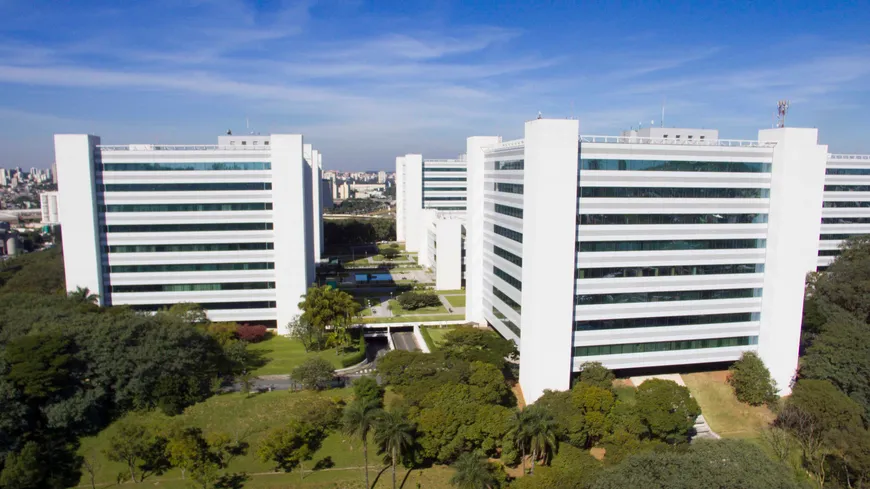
<point x="54" y="173"/>
<point x="344" y="191"/>
<point x="48" y="205"/>
<point x="382" y="176"/>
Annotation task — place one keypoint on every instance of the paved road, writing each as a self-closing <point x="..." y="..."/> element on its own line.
<point x="405" y="341"/>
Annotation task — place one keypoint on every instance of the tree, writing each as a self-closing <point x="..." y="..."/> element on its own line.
<point x="520" y="432"/>
<point x="751" y="380"/>
<point x="845" y="282"/>
<point x="473" y="472"/>
<point x="477" y="344"/>
<point x="314" y="373"/>
<point x="571" y="468"/>
<point x="138" y="447"/>
<point x="542" y="434"/>
<point x="706" y="464"/>
<point x="359" y="418"/>
<point x="291" y="445"/>
<point x="594" y="373"/>
<point x="367" y="391"/>
<point x="83" y="295"/>
<point x="415" y="300"/>
<point x="200" y="457"/>
<point x="327" y="308"/>
<point x="394" y="436"/>
<point x="23" y="469"/>
<point x="667" y="410"/>
<point x="312" y="337"/>
<point x="91" y="464"/>
<point x="40" y="365"/>
<point x="390" y="253"/>
<point x="187" y="313"/>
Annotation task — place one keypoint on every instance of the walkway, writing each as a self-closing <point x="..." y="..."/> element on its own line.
<point x="450" y="309"/>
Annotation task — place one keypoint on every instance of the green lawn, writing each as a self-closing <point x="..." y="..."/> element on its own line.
<point x="437" y="334"/>
<point x="451" y="292"/>
<point x="415" y="319"/>
<point x="726" y="415"/>
<point x="398" y="310"/>
<point x="456" y="300"/>
<point x="283" y="354"/>
<point x="249" y="419"/>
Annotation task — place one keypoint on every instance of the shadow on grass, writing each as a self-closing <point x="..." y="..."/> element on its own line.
<point x="377" y="477"/>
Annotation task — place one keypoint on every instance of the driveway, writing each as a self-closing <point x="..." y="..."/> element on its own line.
<point x="405" y="341"/>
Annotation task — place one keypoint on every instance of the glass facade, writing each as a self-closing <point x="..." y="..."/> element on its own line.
<point x="663" y="245"/>
<point x="845" y="220"/>
<point x="218" y="166"/>
<point x="509" y="211"/>
<point x="588" y="351"/>
<point x="179" y="228"/>
<point x="511" y="188"/>
<point x="208" y="306"/>
<point x="662" y="165"/>
<point x="668" y="271"/>
<point x="655" y="322"/>
<point x="443" y="189"/>
<point x="865" y="203"/>
<point x="245" y="206"/>
<point x="847" y="171"/>
<point x="510" y="165"/>
<point x="507" y="255"/>
<point x="498" y="272"/>
<point x="191" y="267"/>
<point x="508" y="233"/>
<point x="827" y="237"/>
<point x="175" y="248"/>
<point x="507" y="322"/>
<point x="667" y="296"/>
<point x="847" y="188"/>
<point x="829" y="252"/>
<point x="674" y="193"/>
<point x="444" y="179"/>
<point x="427" y="170"/>
<point x="506" y="299"/>
<point x="185" y="187"/>
<point x="192" y="287"/>
<point x="631" y="219"/>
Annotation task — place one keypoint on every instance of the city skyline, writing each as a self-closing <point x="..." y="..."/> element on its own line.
<point x="366" y="82"/>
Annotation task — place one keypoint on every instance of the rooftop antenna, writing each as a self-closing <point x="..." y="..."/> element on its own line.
<point x="663" y="111"/>
<point x="781" y="111"/>
<point x="540" y="116"/>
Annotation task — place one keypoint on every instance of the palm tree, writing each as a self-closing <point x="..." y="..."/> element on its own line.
<point x="83" y="295"/>
<point x="472" y="472"/>
<point x="359" y="419"/>
<point x="542" y="434"/>
<point x="520" y="422"/>
<point x="394" y="435"/>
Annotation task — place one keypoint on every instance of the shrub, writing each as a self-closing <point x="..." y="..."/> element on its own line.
<point x="251" y="333"/>
<point x="390" y="253"/>
<point x="416" y="300"/>
<point x="314" y="373"/>
<point x="357" y="357"/>
<point x="751" y="380"/>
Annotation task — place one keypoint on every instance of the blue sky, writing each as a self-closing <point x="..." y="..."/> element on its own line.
<point x="366" y="81"/>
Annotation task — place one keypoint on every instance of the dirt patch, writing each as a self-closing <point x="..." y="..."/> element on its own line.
<point x="720" y="375"/>
<point x="598" y="453"/>
<point x="513" y="471"/>
<point x="623" y="383"/>
<point x="518" y="391"/>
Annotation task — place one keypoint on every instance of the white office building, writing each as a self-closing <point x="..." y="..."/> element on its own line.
<point x="48" y="206"/>
<point x="426" y="184"/>
<point x="846" y="210"/>
<point x="444" y="247"/>
<point x="232" y="227"/>
<point x="643" y="250"/>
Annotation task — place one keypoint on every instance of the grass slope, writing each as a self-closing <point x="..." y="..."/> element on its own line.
<point x="725" y="414"/>
<point x="283" y="354"/>
<point x="437" y="335"/>
<point x="456" y="300"/>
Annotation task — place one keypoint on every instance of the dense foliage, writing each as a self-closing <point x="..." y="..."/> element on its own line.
<point x="415" y="300"/>
<point x="327" y="313"/>
<point x="314" y="373"/>
<point x="358" y="206"/>
<point x="340" y="232"/>
<point x="752" y="381"/>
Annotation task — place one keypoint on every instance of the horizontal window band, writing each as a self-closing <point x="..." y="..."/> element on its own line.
<point x="209" y="166"/>
<point x="508" y="233"/>
<point x="191" y="267"/>
<point x="507" y="255"/>
<point x="668" y="165"/>
<point x="211" y="306"/>
<point x="183" y="248"/>
<point x="185" y="187"/>
<point x="668" y="271"/>
<point x="588" y="351"/>
<point x="643" y="219"/>
<point x="244" y="206"/>
<point x="498" y="272"/>
<point x="847" y="171"/>
<point x="674" y="193"/>
<point x="178" y="228"/>
<point x="668" y="296"/>
<point x="192" y="287"/>
<point x="656" y="322"/>
<point x="670" y="245"/>
<point x="506" y="299"/>
<point x="507" y="322"/>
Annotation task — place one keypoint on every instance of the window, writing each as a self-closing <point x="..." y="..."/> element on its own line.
<point x="232" y="143"/>
<point x="681" y="295"/>
<point x="119" y="289"/>
<point x="678" y="136"/>
<point x="702" y="137"/>
<point x="508" y="233"/>
<point x="847" y="171"/>
<point x="443" y="189"/>
<point x="510" y="165"/>
<point x="444" y="179"/>
<point x="829" y="252"/>
<point x="208" y="306"/>
<point x="674" y="193"/>
<point x="865" y="203"/>
<point x="845" y="220"/>
<point x="266" y="143"/>
<point x="179" y="228"/>
<point x="177" y="248"/>
<point x="444" y="198"/>
<point x="246" y="206"/>
<point x="244" y="143"/>
<point x="690" y="136"/>
<point x="847" y="188"/>
<point x="839" y="236"/>
<point x="509" y="211"/>
<point x="443" y="169"/>
<point x="639" y="219"/>
<point x="668" y="271"/>
<point x="511" y="188"/>
<point x="506" y="299"/>
<point x="671" y="165"/>
<point x="586" y="351"/>
<point x="498" y="272"/>
<point x="507" y="255"/>
<point x="665" y="136"/>
<point x="210" y="166"/>
<point x="194" y="267"/>
<point x="659" y="245"/>
<point x="654" y="322"/>
<point x="185" y="187"/>
<point x="507" y="322"/>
